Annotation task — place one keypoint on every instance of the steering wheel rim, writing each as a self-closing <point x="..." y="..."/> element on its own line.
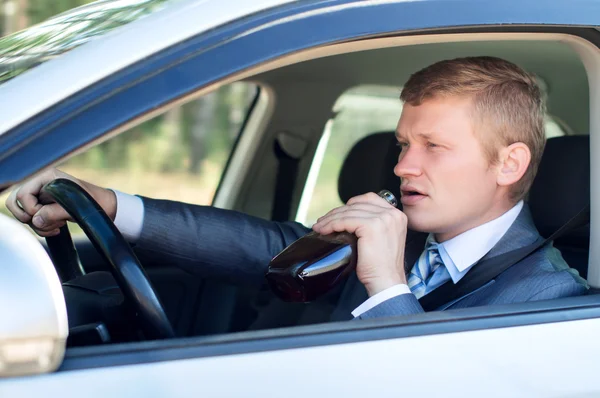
<point x="112" y="246"/>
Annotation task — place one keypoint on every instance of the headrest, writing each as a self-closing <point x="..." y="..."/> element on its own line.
<point x="369" y="167"/>
<point x="562" y="187"/>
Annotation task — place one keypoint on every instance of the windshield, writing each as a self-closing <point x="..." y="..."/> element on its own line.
<point x="26" y="49"/>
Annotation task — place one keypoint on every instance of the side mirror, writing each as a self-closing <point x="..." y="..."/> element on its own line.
<point x="33" y="313"/>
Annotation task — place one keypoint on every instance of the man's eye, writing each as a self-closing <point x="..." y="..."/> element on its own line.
<point x="402" y="145"/>
<point x="431" y="145"/>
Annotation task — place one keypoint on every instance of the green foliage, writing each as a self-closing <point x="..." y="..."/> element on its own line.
<point x="166" y="144"/>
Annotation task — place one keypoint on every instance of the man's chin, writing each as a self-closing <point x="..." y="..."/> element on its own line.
<point x="421" y="222"/>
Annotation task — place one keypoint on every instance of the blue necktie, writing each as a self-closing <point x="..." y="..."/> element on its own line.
<point x="429" y="272"/>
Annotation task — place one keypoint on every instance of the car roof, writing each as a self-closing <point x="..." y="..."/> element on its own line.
<point x="99" y="58"/>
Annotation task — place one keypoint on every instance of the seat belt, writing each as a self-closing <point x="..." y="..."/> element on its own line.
<point x="490" y="268"/>
<point x="288" y="149"/>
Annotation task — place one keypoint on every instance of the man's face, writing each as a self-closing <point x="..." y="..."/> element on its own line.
<point x="448" y="185"/>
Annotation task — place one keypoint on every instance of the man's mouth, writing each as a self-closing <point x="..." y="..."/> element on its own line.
<point x="411" y="195"/>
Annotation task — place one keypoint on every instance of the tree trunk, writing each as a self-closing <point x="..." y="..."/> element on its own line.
<point x="15" y="16"/>
<point x="203" y="121"/>
<point x="8" y="13"/>
<point x="173" y="132"/>
<point x="242" y="94"/>
<point x="22" y="16"/>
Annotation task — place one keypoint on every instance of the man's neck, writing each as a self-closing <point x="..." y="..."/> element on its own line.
<point x="492" y="214"/>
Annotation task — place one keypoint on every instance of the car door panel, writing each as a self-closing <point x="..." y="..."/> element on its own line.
<point x="515" y="351"/>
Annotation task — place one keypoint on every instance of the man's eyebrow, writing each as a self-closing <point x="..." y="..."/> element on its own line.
<point x="421" y="135"/>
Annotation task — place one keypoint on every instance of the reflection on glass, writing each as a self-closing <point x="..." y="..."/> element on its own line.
<point x="24" y="50"/>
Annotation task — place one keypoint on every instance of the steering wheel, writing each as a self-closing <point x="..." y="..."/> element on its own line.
<point x="106" y="238"/>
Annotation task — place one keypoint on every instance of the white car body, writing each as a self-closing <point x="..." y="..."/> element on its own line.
<point x="516" y="352"/>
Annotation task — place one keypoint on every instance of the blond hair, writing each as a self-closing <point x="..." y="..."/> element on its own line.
<point x="507" y="104"/>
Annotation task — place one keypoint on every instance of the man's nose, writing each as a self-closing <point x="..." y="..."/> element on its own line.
<point x="409" y="163"/>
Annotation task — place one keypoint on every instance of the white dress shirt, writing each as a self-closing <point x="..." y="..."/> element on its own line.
<point x="130" y="216"/>
<point x="459" y="254"/>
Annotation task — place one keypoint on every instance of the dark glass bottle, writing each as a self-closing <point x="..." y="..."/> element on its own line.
<point x="315" y="263"/>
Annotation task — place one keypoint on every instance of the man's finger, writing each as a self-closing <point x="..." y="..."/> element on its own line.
<point x="334" y="222"/>
<point x="49" y="216"/>
<point x="345" y="224"/>
<point x="369" y="197"/>
<point x="365" y="211"/>
<point x="46" y="234"/>
<point x="28" y="202"/>
<point x="13" y="206"/>
<point x="28" y="194"/>
<point x="370" y="207"/>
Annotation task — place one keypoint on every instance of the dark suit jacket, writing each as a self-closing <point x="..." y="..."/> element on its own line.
<point x="225" y="244"/>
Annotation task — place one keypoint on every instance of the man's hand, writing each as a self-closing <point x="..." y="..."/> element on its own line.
<point x="381" y="232"/>
<point x="45" y="216"/>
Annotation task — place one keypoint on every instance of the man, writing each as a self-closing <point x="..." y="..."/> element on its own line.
<point x="471" y="133"/>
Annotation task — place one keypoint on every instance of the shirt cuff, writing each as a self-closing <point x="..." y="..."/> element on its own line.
<point x="380" y="297"/>
<point x="130" y="215"/>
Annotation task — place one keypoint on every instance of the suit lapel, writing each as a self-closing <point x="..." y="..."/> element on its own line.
<point x="520" y="234"/>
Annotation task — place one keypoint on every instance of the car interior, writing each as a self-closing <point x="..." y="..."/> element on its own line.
<point x="301" y="97"/>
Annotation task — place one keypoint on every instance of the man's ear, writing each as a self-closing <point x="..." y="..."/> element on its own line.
<point x="513" y="162"/>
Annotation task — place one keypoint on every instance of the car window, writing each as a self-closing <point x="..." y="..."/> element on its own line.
<point x="359" y="112"/>
<point x="178" y="155"/>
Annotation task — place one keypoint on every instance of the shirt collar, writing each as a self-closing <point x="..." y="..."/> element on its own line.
<point x="465" y="250"/>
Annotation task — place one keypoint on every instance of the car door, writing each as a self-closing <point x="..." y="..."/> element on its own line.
<point x="516" y="351"/>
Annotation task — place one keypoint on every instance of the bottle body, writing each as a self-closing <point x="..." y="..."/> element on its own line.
<point x="314" y="264"/>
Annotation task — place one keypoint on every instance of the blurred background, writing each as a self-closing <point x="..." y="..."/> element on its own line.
<point x="181" y="154"/>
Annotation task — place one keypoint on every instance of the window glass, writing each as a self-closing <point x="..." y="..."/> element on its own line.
<point x="552" y="128"/>
<point x="361" y="111"/>
<point x="179" y="155"/>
